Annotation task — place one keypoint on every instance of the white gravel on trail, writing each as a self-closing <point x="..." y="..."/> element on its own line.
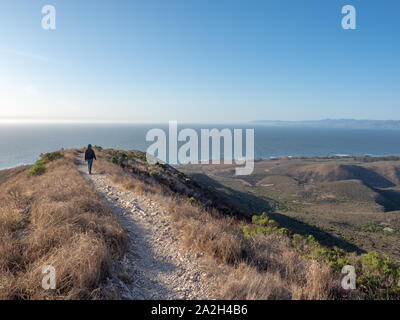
<point x="155" y="266"/>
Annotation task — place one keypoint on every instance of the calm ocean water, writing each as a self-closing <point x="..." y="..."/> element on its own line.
<point x="23" y="143"/>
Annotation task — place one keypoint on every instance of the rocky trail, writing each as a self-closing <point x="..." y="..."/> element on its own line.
<point x="155" y="266"/>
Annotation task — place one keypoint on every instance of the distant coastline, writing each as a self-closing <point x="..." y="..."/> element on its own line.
<point x="22" y="144"/>
<point x="334" y="123"/>
<point x="358" y="157"/>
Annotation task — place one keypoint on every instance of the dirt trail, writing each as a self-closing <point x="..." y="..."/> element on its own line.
<point x="155" y="266"/>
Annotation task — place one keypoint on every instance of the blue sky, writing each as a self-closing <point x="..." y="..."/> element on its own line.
<point x="199" y="60"/>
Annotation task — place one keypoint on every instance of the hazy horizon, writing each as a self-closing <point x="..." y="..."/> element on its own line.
<point x="88" y="121"/>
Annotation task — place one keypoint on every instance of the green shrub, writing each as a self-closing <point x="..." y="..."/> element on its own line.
<point x="298" y="242"/>
<point x="262" y="225"/>
<point x="37" y="169"/>
<point x="378" y="277"/>
<point x="247" y="231"/>
<point x="51" y="156"/>
<point x="161" y="165"/>
<point x="154" y="174"/>
<point x="381" y="263"/>
<point x="261" y="220"/>
<point x="284" y="231"/>
<point x="192" y="200"/>
<point x="334" y="257"/>
<point x="114" y="160"/>
<point x="118" y="157"/>
<point x="140" y="155"/>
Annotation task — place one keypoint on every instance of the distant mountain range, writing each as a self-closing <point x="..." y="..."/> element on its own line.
<point x="334" y="123"/>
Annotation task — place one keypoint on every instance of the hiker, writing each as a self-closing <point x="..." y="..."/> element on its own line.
<point x="89" y="156"/>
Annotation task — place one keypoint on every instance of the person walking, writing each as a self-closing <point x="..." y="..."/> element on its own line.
<point x="89" y="156"/>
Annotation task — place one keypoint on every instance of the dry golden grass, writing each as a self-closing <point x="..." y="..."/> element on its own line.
<point x="310" y="282"/>
<point x="7" y="174"/>
<point x="55" y="219"/>
<point x="263" y="267"/>
<point x="128" y="181"/>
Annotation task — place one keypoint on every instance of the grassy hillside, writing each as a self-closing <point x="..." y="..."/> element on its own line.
<point x="52" y="217"/>
<point x="7" y="174"/>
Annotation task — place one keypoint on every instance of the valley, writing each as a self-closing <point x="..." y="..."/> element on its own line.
<point x="350" y="202"/>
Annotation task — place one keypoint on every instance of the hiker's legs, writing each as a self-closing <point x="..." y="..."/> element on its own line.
<point x="90" y="163"/>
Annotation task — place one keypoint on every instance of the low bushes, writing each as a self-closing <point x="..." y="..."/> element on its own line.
<point x="378" y="277"/>
<point x="39" y="167"/>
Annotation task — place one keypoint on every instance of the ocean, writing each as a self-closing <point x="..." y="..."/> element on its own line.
<point x="23" y="143"/>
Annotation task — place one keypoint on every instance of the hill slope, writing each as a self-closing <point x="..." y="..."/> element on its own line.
<point x="343" y="201"/>
<point x="134" y="230"/>
<point x="52" y="217"/>
<point x="326" y="172"/>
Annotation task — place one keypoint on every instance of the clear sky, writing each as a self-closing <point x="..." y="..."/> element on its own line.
<point x="199" y="60"/>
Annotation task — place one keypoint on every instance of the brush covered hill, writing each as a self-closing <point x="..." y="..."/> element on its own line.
<point x="328" y="172"/>
<point x="352" y="202"/>
<point x="51" y="215"/>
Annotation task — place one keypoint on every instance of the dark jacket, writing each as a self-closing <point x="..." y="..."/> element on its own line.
<point x="89" y="154"/>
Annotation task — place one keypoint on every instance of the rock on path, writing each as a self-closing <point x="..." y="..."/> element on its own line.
<point x="155" y="266"/>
